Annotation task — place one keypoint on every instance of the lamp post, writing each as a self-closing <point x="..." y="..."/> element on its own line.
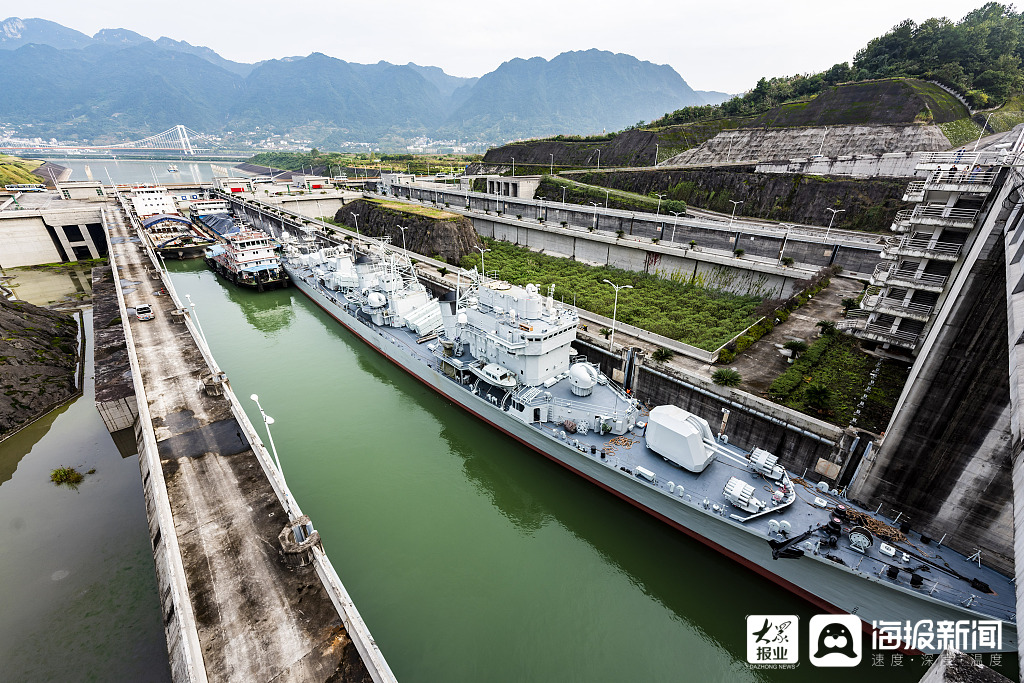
<point x="595" y="204"/>
<point x="785" y="238"/>
<point x="563" y="195"/>
<point x="598" y="160"/>
<point x="195" y="318"/>
<point x="267" y="421"/>
<point x="834" y="212"/>
<point x="734" y="205"/>
<point x="481" y="250"/>
<point x="658" y="210"/>
<point x="356" y="217"/>
<point x="403" y="229"/>
<point x="674" y="223"/>
<point x="551" y="170"/>
<point x="615" y="308"/>
<point x="606" y="198"/>
<point x="513" y="167"/>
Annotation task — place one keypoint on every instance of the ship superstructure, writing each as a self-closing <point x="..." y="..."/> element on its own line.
<point x="243" y="255"/>
<point x="168" y="232"/>
<point x="505" y="353"/>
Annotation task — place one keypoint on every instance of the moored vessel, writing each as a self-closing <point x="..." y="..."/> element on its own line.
<point x="505" y="353"/>
<point x="243" y="255"/>
<point x="168" y="232"/>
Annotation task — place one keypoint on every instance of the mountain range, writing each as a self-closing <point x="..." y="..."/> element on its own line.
<point x="118" y="83"/>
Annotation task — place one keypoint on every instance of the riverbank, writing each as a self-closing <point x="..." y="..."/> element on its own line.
<point x="39" y="362"/>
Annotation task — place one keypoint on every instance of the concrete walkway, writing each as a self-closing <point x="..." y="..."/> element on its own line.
<point x="257" y="619"/>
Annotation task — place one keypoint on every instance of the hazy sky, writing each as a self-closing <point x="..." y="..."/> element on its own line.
<point x="714" y="46"/>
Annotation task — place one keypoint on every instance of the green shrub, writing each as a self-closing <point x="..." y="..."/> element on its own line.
<point x="727" y="377"/>
<point x="744" y="343"/>
<point x="663" y="355"/>
<point x="726" y="356"/>
<point x="782" y="315"/>
<point x="66" y="475"/>
<point x="738" y="252"/>
<point x="787" y="260"/>
<point x="796" y="346"/>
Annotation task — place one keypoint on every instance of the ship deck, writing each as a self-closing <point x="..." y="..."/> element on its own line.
<point x="946" y="573"/>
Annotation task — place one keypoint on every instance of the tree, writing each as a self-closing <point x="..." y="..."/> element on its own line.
<point x="827" y="326"/>
<point x="727" y="377"/>
<point x="796" y="346"/>
<point x="662" y="355"/>
<point x="818" y="397"/>
<point x="604" y="331"/>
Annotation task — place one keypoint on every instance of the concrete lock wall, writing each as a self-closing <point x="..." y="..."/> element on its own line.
<point x="708" y="235"/>
<point x="672" y="263"/>
<point x="798" y="440"/>
<point x="890" y="165"/>
<point x="24" y="241"/>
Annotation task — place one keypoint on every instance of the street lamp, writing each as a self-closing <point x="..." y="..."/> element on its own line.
<point x="658" y="210"/>
<point x="834" y="212"/>
<point x="734" y="205"/>
<point x="481" y="250"/>
<point x="674" y="223"/>
<point x="267" y="421"/>
<point x="598" y="160"/>
<point x="551" y="170"/>
<point x="513" y="167"/>
<point x="785" y="238"/>
<point x="615" y="308"/>
<point x="195" y="319"/>
<point x="595" y="204"/>
<point x="563" y="194"/>
<point x="403" y="229"/>
<point x="606" y="198"/>
<point x="356" y="217"/>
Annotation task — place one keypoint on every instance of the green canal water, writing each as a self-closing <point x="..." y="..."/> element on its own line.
<point x="78" y="595"/>
<point x="471" y="557"/>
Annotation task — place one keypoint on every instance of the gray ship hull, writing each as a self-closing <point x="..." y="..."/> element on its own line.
<point x="831" y="587"/>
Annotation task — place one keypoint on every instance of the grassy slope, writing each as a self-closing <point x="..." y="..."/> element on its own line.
<point x="18" y="171"/>
<point x="837" y="362"/>
<point x="681" y="311"/>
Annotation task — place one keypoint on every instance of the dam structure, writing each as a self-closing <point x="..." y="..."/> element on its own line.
<point x="246" y="590"/>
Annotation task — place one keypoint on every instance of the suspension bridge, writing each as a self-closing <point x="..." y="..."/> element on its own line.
<point x="179" y="140"/>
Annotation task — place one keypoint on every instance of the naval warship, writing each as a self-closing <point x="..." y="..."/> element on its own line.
<point x="505" y="354"/>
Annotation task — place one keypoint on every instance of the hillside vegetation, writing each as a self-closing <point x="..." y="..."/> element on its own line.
<point x="14" y="170"/>
<point x="979" y="56"/>
<point x="679" y="310"/>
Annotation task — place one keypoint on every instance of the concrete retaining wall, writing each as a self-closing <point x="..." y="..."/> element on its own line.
<point x="799" y="440"/>
<point x="580" y="239"/>
<point x="890" y="165"/>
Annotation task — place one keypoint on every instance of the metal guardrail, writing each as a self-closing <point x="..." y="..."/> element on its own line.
<point x="959" y="157"/>
<point x="888" y="274"/>
<point x="907" y="246"/>
<point x="884" y="304"/>
<point x="889" y="336"/>
<point x="985" y="176"/>
<point x="943" y="212"/>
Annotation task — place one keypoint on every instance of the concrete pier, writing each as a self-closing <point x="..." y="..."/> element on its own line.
<point x="241" y="600"/>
